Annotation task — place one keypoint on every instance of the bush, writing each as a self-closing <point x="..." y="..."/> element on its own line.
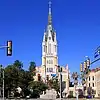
<point x="70" y="96"/>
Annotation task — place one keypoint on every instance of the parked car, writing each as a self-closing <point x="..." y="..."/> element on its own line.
<point x="89" y="97"/>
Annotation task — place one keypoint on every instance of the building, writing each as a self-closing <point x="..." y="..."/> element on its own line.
<point x="93" y="82"/>
<point x="49" y="67"/>
<point x="98" y="82"/>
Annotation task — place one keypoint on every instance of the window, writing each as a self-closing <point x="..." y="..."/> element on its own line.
<point x="94" y="92"/>
<point x="49" y="38"/>
<point x="49" y="48"/>
<point x="46" y="49"/>
<point x="89" y="78"/>
<point x="47" y="70"/>
<point x="55" y="48"/>
<point x="51" y="61"/>
<point x="93" y="84"/>
<point x="89" y="84"/>
<point x="50" y="69"/>
<point x="43" y="48"/>
<point x="93" y="78"/>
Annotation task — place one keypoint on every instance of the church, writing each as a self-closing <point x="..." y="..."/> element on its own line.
<point x="49" y="66"/>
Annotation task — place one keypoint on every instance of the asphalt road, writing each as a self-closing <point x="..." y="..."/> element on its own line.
<point x="50" y="99"/>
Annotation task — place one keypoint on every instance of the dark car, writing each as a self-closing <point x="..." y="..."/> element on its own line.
<point x="89" y="97"/>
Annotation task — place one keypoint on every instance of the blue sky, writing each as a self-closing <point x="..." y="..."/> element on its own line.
<point x="77" y="23"/>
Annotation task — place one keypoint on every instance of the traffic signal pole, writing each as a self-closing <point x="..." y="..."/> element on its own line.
<point x="9" y="53"/>
<point x="2" y="71"/>
<point x="3" y="47"/>
<point x="3" y="85"/>
<point x="9" y="47"/>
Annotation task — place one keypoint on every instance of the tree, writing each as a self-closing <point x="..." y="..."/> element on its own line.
<point x="54" y="84"/>
<point x="16" y="76"/>
<point x="13" y="76"/>
<point x="32" y="68"/>
<point x="36" y="88"/>
<point x="18" y="64"/>
<point x="27" y="78"/>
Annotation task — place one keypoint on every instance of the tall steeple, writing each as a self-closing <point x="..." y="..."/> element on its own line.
<point x="49" y="47"/>
<point x="49" y="15"/>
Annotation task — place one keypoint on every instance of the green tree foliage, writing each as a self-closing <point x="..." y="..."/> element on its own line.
<point x="16" y="76"/>
<point x="54" y="84"/>
<point x="32" y="68"/>
<point x="13" y="76"/>
<point x="37" y="88"/>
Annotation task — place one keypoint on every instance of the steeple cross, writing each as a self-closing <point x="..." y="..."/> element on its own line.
<point x="50" y="4"/>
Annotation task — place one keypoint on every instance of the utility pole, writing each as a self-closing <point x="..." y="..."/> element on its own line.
<point x="3" y="84"/>
<point x="60" y="83"/>
<point x="60" y="86"/>
<point x="0" y="79"/>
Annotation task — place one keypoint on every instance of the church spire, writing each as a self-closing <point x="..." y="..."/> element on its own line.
<point x="50" y="15"/>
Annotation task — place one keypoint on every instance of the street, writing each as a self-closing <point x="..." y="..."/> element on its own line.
<point x="50" y="99"/>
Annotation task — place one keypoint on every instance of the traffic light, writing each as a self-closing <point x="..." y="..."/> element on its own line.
<point x="81" y="67"/>
<point x="85" y="65"/>
<point x="58" y="68"/>
<point x="9" y="48"/>
<point x="88" y="63"/>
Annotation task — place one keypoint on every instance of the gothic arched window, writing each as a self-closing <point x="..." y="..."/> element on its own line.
<point x="51" y="61"/>
<point x="55" y="48"/>
<point x="49" y="48"/>
<point x="46" y="49"/>
<point x="43" y="48"/>
<point x="49" y="38"/>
